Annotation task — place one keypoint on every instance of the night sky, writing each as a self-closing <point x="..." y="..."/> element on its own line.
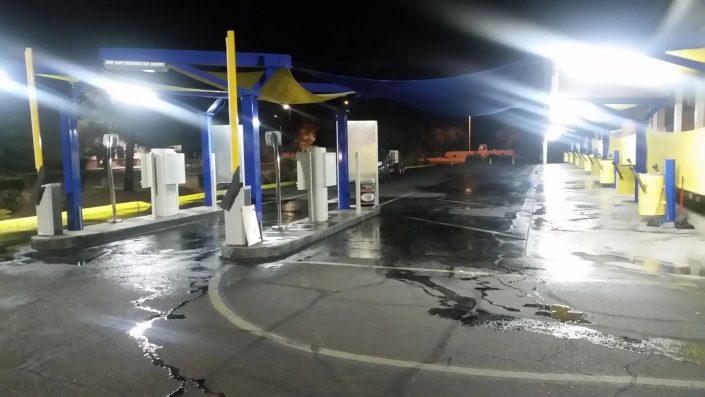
<point x="392" y="39"/>
<point x="383" y="38"/>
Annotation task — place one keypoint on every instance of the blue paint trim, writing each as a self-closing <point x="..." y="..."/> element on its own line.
<point x="343" y="172"/>
<point x="71" y="165"/>
<point x="206" y="151"/>
<point x="641" y="152"/>
<point x="214" y="108"/>
<point x="615" y="157"/>
<point x="201" y="74"/>
<point x="211" y="58"/>
<point x="670" y="176"/>
<point x="249" y="115"/>
<point x="695" y="65"/>
<point x="605" y="144"/>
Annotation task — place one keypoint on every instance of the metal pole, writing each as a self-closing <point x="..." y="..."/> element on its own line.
<point x="279" y="186"/>
<point x="615" y="159"/>
<point x="111" y="181"/>
<point x="358" y="203"/>
<point x="670" y="177"/>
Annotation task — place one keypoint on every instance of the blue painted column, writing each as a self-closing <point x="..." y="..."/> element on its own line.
<point x="605" y="144"/>
<point x="670" y="176"/>
<point x="588" y="145"/>
<point x="71" y="164"/>
<point x="249" y="114"/>
<point x="616" y="161"/>
<point x="206" y="151"/>
<point x="640" y="154"/>
<point x="342" y="144"/>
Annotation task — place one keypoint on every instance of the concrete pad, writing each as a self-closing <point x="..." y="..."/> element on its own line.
<point x="103" y="233"/>
<point x="277" y="244"/>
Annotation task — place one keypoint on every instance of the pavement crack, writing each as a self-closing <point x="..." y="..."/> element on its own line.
<point x="151" y="350"/>
<point x="634" y="376"/>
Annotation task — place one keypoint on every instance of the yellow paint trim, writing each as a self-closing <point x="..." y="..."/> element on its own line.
<point x="197" y="78"/>
<point x="105" y="212"/>
<point x="67" y="79"/>
<point x="33" y="109"/>
<point x="693" y="54"/>
<point x="232" y="98"/>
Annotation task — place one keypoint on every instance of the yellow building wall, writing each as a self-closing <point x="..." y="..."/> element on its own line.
<point x="626" y="146"/>
<point x="687" y="149"/>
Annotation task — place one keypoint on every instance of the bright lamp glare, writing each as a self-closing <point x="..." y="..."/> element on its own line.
<point x="285" y="106"/>
<point x="609" y="65"/>
<point x="567" y="112"/>
<point x="4" y="80"/>
<point x="554" y="132"/>
<point x="132" y="94"/>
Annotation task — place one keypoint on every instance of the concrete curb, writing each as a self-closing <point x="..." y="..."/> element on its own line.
<point x="277" y="247"/>
<point x="104" y="233"/>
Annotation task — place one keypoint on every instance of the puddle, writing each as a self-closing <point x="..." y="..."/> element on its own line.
<point x="564" y="324"/>
<point x="652" y="266"/>
<point x="559" y="312"/>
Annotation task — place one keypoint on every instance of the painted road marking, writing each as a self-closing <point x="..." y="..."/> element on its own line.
<point x="220" y="305"/>
<point x="477" y="229"/>
<point x="470" y="273"/>
<point x="284" y="198"/>
<point x="412" y="269"/>
<point x="398" y="198"/>
<point x="469" y="203"/>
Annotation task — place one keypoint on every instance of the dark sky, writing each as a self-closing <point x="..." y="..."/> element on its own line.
<point x="383" y="38"/>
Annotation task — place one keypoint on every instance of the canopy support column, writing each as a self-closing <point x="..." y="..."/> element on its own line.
<point x="342" y="145"/>
<point x="678" y="112"/>
<point x="640" y="154"/>
<point x="71" y="164"/>
<point x="206" y="156"/>
<point x="250" y="137"/>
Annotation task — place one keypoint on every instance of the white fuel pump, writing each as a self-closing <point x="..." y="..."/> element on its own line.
<point x="162" y="171"/>
<point x="315" y="172"/>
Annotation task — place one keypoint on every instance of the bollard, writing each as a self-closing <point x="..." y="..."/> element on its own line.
<point x="670" y="181"/>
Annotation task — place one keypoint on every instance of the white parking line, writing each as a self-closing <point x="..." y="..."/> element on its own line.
<point x="398" y="198"/>
<point x="477" y="229"/>
<point x="284" y="198"/>
<point x="220" y="305"/>
<point x="412" y="269"/>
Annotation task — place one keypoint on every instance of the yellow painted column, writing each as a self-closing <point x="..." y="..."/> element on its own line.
<point x="33" y="110"/>
<point x="232" y="98"/>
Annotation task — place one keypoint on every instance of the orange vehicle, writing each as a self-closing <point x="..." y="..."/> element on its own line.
<point x="460" y="156"/>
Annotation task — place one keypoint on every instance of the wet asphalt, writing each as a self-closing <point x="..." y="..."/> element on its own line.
<point x="447" y="292"/>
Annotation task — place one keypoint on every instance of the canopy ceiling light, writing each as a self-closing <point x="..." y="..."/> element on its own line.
<point x="5" y="81"/>
<point x="613" y="66"/>
<point x="135" y="66"/>
<point x="131" y="94"/>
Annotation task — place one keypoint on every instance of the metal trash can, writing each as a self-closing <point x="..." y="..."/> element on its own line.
<point x="606" y="172"/>
<point x="625" y="184"/>
<point x="587" y="165"/>
<point x="652" y="202"/>
<point x="50" y="203"/>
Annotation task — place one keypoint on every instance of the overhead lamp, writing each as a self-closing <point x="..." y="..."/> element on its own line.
<point x="135" y="66"/>
<point x="286" y="107"/>
<point x="346" y="102"/>
<point x="131" y="94"/>
<point x="5" y="81"/>
<point x="554" y="132"/>
<point x="613" y="66"/>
